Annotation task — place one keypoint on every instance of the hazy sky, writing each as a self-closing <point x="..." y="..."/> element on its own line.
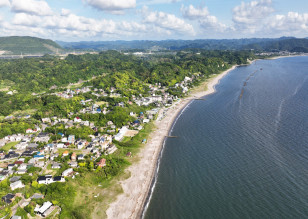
<point x="76" y="20"/>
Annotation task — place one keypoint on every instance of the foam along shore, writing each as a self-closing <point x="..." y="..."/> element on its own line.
<point x="131" y="202"/>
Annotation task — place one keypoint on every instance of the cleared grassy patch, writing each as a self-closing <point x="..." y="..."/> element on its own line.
<point x="24" y="112"/>
<point x="74" y="86"/>
<point x="8" y="146"/>
<point x="99" y="103"/>
<point x="6" y="85"/>
<point x="22" y="213"/>
<point x="70" y="150"/>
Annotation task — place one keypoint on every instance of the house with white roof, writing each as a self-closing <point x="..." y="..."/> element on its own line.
<point x="41" y="210"/>
<point x="16" y="185"/>
<point x="68" y="172"/>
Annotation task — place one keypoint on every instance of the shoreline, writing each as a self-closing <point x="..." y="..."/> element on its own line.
<point x="138" y="188"/>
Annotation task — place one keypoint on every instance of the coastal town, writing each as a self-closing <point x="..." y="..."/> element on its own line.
<point x="50" y="152"/>
<point x="153" y="109"/>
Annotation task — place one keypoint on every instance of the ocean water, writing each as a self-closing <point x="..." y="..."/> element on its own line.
<point x="243" y="152"/>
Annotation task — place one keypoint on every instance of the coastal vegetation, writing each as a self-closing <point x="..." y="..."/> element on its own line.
<point x="129" y="74"/>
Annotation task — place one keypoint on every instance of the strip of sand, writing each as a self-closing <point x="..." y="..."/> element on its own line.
<point x="130" y="203"/>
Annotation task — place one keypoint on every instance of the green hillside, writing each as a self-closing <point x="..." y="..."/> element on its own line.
<point x="16" y="45"/>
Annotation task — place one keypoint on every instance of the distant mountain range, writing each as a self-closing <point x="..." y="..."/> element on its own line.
<point x="261" y="44"/>
<point x="16" y="45"/>
<point x="25" y="45"/>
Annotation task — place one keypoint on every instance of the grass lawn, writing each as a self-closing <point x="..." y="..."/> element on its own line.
<point x="8" y="146"/>
<point x="74" y="86"/>
<point x="21" y="212"/>
<point x="99" y="103"/>
<point x="92" y="199"/>
<point x="77" y="151"/>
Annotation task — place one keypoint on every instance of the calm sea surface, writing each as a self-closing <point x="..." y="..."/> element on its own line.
<point x="242" y="153"/>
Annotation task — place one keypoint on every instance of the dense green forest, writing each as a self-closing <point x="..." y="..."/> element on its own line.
<point x="128" y="74"/>
<point x="28" y="45"/>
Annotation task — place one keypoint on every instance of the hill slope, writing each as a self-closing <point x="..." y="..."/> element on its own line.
<point x="27" y="45"/>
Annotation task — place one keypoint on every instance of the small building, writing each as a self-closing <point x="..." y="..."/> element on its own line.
<point x="11" y="166"/>
<point x="68" y="172"/>
<point x="56" y="165"/>
<point x="43" y="209"/>
<point x="102" y="162"/>
<point x="73" y="164"/>
<point x="37" y="196"/>
<point x="9" y="198"/>
<point x="58" y="179"/>
<point x="46" y="120"/>
<point x="18" y="162"/>
<point x="74" y="156"/>
<point x="16" y="185"/>
<point x="80" y="145"/>
<point x="23" y="166"/>
<point x="121" y="134"/>
<point x="77" y="120"/>
<point x="111" y="149"/>
<point x="45" y="179"/>
<point x="65" y="153"/>
<point x="39" y="157"/>
<point x="29" y="131"/>
<point x="129" y="154"/>
<point x="146" y="121"/>
<point x="15" y="179"/>
<point x="80" y="157"/>
<point x="71" y="139"/>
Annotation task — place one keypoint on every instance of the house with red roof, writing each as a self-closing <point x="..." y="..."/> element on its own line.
<point x="102" y="162"/>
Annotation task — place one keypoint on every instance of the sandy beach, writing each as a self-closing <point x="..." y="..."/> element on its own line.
<point x="130" y="203"/>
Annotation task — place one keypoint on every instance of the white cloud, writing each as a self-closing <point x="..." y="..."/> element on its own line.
<point x="26" y="20"/>
<point x="65" y="12"/>
<point x="167" y="21"/>
<point x="132" y="27"/>
<point x="33" y="7"/>
<point x="256" y="19"/>
<point x="211" y="23"/>
<point x="206" y="21"/>
<point x="292" y="23"/>
<point x="69" y="25"/>
<point x="249" y="16"/>
<point x="111" y="5"/>
<point x="193" y="13"/>
<point x="73" y="22"/>
<point x="4" y="3"/>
